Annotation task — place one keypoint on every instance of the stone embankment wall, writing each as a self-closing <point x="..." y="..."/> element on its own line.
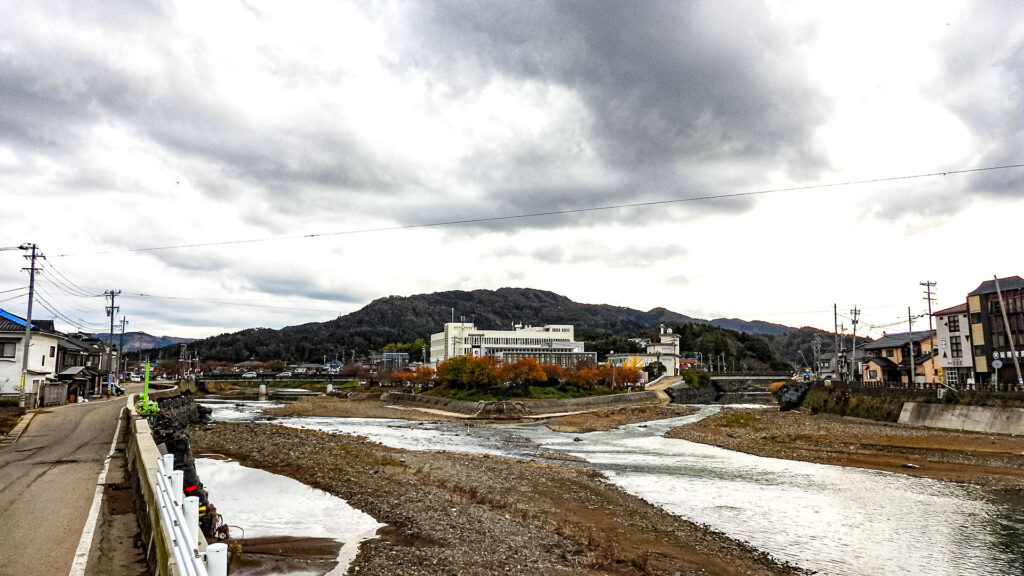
<point x="970" y="418"/>
<point x="141" y="455"/>
<point x="682" y="394"/>
<point x="530" y="407"/>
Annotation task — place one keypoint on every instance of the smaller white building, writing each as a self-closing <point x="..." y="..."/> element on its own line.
<point x="42" y="356"/>
<point x="665" y="351"/>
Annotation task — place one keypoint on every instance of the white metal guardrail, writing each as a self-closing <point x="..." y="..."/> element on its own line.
<point x="180" y="519"/>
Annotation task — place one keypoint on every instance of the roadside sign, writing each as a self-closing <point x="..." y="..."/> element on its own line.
<point x="997" y="364"/>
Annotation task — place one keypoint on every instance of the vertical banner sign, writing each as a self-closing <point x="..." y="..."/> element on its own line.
<point x="145" y="389"/>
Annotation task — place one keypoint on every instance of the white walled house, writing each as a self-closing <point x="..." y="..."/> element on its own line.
<point x="550" y="343"/>
<point x="42" y="358"/>
<point x="954" y="343"/>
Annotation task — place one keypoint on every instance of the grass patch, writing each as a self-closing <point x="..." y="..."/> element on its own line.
<point x="740" y="419"/>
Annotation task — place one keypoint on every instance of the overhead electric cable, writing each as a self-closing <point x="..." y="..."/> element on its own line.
<point x="16" y="296"/>
<point x="14" y="289"/>
<point x="64" y="287"/>
<point x="71" y="282"/>
<point x="555" y="212"/>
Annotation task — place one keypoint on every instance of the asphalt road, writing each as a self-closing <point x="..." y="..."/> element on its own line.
<point x="47" y="482"/>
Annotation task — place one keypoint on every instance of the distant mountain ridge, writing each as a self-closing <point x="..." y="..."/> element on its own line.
<point x="403" y="319"/>
<point x="135" y="341"/>
<point x="752" y="326"/>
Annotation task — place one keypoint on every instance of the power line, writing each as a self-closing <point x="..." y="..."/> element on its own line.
<point x="69" y="281"/>
<point x="64" y="287"/>
<point x="14" y="289"/>
<point x="557" y="212"/>
<point x="16" y="296"/>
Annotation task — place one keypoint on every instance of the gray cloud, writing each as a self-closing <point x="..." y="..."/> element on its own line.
<point x="626" y="256"/>
<point x="982" y="82"/>
<point x="681" y="96"/>
<point x="670" y="86"/>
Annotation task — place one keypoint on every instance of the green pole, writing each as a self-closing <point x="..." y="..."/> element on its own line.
<point x="145" y="390"/>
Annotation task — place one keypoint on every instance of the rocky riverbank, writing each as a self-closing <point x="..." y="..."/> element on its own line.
<point x="984" y="459"/>
<point x="465" y="514"/>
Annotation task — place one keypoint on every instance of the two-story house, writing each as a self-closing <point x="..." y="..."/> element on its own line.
<point x="888" y="360"/>
<point x="42" y="356"/>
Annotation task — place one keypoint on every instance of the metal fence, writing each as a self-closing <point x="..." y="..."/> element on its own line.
<point x="180" y="519"/>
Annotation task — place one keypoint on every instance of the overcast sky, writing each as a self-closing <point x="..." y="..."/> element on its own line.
<point x="127" y="125"/>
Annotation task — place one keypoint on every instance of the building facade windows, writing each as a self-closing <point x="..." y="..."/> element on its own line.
<point x="953" y="323"/>
<point x="956" y="348"/>
<point x="8" y="349"/>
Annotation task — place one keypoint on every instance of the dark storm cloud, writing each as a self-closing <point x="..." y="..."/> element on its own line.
<point x="675" y="90"/>
<point x="679" y="100"/>
<point x="983" y="83"/>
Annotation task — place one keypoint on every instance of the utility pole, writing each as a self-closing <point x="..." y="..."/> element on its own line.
<point x="930" y="297"/>
<point x="120" y="348"/>
<point x="855" y="313"/>
<point x="112" y="312"/>
<point x="835" y="320"/>
<point x="32" y="248"/>
<point x="910" y="325"/>
<point x="1009" y="334"/>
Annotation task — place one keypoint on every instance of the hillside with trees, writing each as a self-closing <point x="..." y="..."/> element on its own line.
<point x="405" y="324"/>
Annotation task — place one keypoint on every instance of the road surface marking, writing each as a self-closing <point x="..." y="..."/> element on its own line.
<point x="82" y="553"/>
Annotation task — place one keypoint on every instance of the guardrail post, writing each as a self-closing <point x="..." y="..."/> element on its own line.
<point x="168" y="463"/>
<point x="217" y="559"/>
<point x="177" y="485"/>
<point x="191" y="509"/>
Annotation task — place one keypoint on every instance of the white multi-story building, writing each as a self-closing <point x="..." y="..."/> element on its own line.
<point x="953" y="333"/>
<point x="552" y="343"/>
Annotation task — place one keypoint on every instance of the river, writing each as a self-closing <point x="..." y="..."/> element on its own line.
<point x="835" y="520"/>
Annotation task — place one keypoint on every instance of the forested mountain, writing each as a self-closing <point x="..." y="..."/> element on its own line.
<point x="397" y="319"/>
<point x="751" y="326"/>
<point x="134" y="341"/>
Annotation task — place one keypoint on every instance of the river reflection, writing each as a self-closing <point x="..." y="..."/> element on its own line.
<point x="266" y="505"/>
<point x="835" y="520"/>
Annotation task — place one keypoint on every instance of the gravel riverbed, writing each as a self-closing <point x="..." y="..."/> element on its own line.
<point x="479" y="515"/>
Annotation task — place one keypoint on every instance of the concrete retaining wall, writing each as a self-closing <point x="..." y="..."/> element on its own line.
<point x="534" y="407"/>
<point x="971" y="418"/>
<point x="141" y="455"/>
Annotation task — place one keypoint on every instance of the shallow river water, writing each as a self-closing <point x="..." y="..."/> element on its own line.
<point x="831" y="519"/>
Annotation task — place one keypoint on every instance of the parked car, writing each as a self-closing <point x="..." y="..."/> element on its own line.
<point x="112" y="389"/>
<point x="136" y="378"/>
<point x="249" y="375"/>
<point x="285" y="374"/>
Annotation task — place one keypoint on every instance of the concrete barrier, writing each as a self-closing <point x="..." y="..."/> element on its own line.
<point x="970" y="418"/>
<point x="141" y="455"/>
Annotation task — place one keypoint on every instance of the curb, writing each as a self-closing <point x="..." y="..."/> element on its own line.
<point x="12" y="436"/>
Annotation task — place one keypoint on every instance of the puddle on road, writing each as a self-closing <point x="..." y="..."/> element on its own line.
<point x="262" y="504"/>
